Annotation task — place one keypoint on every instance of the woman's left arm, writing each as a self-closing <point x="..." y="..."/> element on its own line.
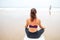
<point x="26" y="25"/>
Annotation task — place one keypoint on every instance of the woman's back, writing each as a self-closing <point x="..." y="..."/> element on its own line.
<point x="33" y="24"/>
<point x="33" y="21"/>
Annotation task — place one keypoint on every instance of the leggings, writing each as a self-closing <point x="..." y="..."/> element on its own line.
<point x="36" y="34"/>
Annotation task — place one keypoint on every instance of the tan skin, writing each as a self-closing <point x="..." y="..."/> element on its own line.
<point x="35" y="22"/>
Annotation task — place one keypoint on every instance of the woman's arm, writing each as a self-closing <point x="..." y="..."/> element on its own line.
<point x="26" y="25"/>
<point x="40" y="25"/>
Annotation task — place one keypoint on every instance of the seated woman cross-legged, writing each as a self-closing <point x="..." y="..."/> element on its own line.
<point x="31" y="27"/>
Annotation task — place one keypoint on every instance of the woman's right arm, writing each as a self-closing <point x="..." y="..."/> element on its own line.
<point x="40" y="25"/>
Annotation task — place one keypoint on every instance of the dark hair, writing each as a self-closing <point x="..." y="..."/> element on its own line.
<point x="33" y="14"/>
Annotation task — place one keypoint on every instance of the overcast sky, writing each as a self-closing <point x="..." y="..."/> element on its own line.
<point x="29" y="3"/>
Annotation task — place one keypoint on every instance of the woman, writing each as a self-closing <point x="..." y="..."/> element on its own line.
<point x="32" y="24"/>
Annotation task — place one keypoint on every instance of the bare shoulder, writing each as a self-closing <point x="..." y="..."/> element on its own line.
<point x="27" y="19"/>
<point x="38" y="20"/>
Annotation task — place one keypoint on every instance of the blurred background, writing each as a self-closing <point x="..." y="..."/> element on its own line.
<point x="13" y="15"/>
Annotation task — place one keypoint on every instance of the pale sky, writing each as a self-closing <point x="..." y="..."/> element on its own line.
<point x="29" y="3"/>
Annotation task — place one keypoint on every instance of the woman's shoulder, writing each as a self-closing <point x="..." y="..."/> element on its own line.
<point x="27" y="19"/>
<point x="38" y="20"/>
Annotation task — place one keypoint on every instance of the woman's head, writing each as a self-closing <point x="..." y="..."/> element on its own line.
<point x="33" y="14"/>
